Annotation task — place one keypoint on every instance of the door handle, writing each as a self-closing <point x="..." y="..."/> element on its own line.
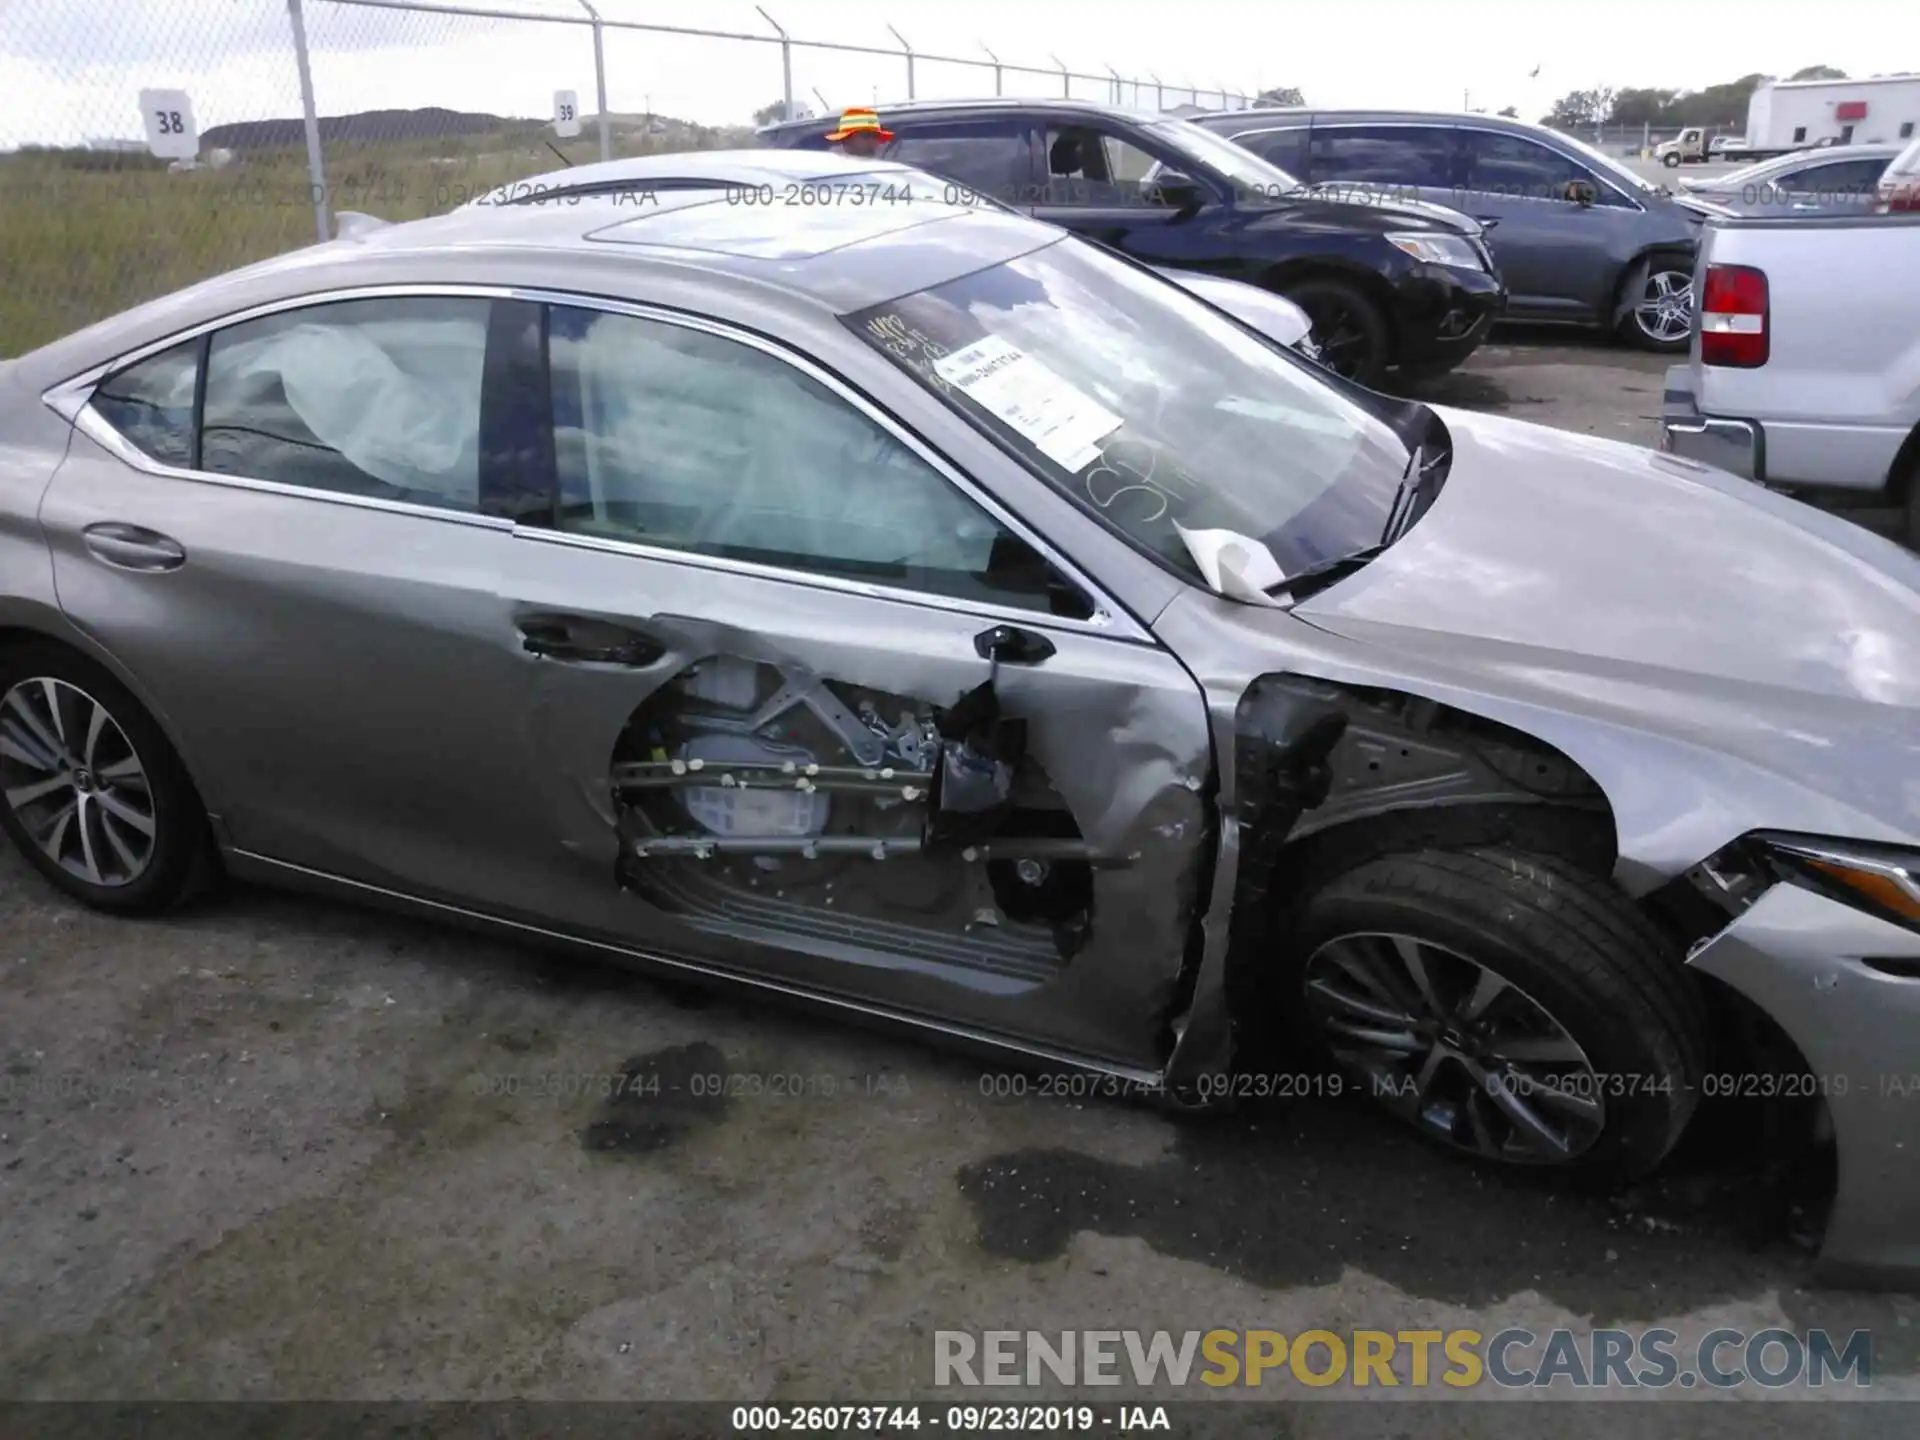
<point x="580" y="640"/>
<point x="1012" y="645"/>
<point x="133" y="547"/>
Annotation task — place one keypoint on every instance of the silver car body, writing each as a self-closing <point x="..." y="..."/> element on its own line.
<point x="1836" y="406"/>
<point x="347" y="679"/>
<point x="1841" y="180"/>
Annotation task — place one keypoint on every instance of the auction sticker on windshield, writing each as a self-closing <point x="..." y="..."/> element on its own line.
<point x="1064" y="423"/>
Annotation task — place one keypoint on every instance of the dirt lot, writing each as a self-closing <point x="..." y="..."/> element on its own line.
<point x="263" y="1150"/>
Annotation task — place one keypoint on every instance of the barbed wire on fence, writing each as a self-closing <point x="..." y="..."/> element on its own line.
<point x="158" y="142"/>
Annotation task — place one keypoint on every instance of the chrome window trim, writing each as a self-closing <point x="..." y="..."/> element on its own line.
<point x="1600" y="180"/>
<point x="69" y="399"/>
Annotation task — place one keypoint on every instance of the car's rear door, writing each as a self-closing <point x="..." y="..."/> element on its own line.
<point x="283" y="531"/>
<point x="755" y="597"/>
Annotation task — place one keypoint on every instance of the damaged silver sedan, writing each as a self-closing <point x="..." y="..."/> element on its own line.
<point x="911" y="610"/>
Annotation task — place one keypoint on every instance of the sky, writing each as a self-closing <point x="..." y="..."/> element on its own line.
<point x="72" y="70"/>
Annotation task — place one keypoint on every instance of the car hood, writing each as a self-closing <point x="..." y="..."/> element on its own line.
<point x="1392" y="208"/>
<point x="1664" y="595"/>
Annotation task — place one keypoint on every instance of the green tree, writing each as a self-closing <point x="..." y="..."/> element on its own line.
<point x="1580" y="109"/>
<point x="1281" y="95"/>
<point x="1512" y="112"/>
<point x="1818" y="72"/>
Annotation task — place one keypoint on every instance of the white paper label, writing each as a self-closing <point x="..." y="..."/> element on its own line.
<point x="171" y="133"/>
<point x="1234" y="565"/>
<point x="1064" y="423"/>
<point x="566" y="113"/>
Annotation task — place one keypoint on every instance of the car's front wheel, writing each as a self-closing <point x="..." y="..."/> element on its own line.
<point x="1508" y="1005"/>
<point x="1349" y="331"/>
<point x="1659" y="316"/>
<point x="91" y="793"/>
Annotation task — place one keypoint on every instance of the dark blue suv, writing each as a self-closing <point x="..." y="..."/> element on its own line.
<point x="1580" y="238"/>
<point x="1387" y="283"/>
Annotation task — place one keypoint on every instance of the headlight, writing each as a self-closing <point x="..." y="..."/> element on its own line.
<point x="1879" y="879"/>
<point x="1437" y="249"/>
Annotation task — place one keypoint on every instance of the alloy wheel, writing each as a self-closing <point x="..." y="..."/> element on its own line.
<point x="1455" y="1049"/>
<point x="1665" y="310"/>
<point x="75" y="783"/>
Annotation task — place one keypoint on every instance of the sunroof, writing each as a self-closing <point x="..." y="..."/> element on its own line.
<point x="751" y="229"/>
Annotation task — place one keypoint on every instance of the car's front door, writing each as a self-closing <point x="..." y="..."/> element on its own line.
<point x="804" y="706"/>
<point x="1102" y="181"/>
<point x="1561" y="258"/>
<point x="304" y="586"/>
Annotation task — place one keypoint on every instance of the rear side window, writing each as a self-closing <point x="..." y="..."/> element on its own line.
<point x="1412" y="155"/>
<point x="363" y="397"/>
<point x="988" y="157"/>
<point x="1285" y="148"/>
<point x="150" y="403"/>
<point x="1842" y="177"/>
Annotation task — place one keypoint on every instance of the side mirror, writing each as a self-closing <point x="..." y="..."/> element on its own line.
<point x="1581" y="192"/>
<point x="1172" y="188"/>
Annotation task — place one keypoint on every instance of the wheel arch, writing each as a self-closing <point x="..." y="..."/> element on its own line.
<point x="1367" y="281"/>
<point x="1903" y="476"/>
<point x="20" y="628"/>
<point x="1633" y="274"/>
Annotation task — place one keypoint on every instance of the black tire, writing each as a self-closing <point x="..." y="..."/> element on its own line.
<point x="1633" y="327"/>
<point x="1571" y="945"/>
<point x="1913" y="506"/>
<point x="182" y="861"/>
<point x="1347" y="326"/>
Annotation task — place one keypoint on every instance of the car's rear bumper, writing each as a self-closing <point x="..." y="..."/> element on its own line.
<point x="1724" y="442"/>
<point x="1845" y="986"/>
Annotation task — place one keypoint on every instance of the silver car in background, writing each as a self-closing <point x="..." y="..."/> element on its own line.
<point x="915" y="611"/>
<point x="1841" y="180"/>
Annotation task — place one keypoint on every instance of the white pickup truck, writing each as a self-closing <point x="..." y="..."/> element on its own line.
<point x="1804" y="371"/>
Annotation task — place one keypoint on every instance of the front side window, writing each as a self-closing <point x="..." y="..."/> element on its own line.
<point x="150" y="403"/>
<point x="379" y="398"/>
<point x="1093" y="167"/>
<point x="1520" y="168"/>
<point x="673" y="437"/>
<point x="1146" y="407"/>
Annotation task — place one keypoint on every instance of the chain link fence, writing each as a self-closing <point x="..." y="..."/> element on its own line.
<point x="271" y="116"/>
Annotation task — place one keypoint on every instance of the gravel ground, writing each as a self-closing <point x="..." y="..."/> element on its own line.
<point x="261" y="1150"/>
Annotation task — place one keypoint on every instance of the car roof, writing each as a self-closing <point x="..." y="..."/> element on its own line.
<point x="1306" y="114"/>
<point x="822" y="260"/>
<point x="718" y="167"/>
<point x="1832" y="154"/>
<point x="916" y="108"/>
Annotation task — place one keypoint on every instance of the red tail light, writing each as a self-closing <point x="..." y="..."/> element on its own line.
<point x="1733" y="317"/>
<point x="1902" y="199"/>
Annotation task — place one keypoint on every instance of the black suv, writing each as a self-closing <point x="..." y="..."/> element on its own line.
<point x="1387" y="283"/>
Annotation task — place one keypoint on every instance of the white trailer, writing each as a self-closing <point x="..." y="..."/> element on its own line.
<point x="1790" y="114"/>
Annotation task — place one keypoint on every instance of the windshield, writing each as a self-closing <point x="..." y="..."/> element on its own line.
<point x="1146" y="407"/>
<point x="1252" y="177"/>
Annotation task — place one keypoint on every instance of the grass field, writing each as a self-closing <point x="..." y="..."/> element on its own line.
<point x="88" y="233"/>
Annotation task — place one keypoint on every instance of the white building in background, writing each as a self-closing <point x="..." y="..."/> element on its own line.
<point x="1786" y="113"/>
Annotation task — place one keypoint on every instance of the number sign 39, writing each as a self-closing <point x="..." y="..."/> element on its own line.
<point x="566" y="113"/>
<point x="171" y="132"/>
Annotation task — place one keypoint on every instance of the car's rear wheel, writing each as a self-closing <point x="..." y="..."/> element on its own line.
<point x="1505" y="1004"/>
<point x="1348" y="329"/>
<point x="1660" y="316"/>
<point x="91" y="793"/>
